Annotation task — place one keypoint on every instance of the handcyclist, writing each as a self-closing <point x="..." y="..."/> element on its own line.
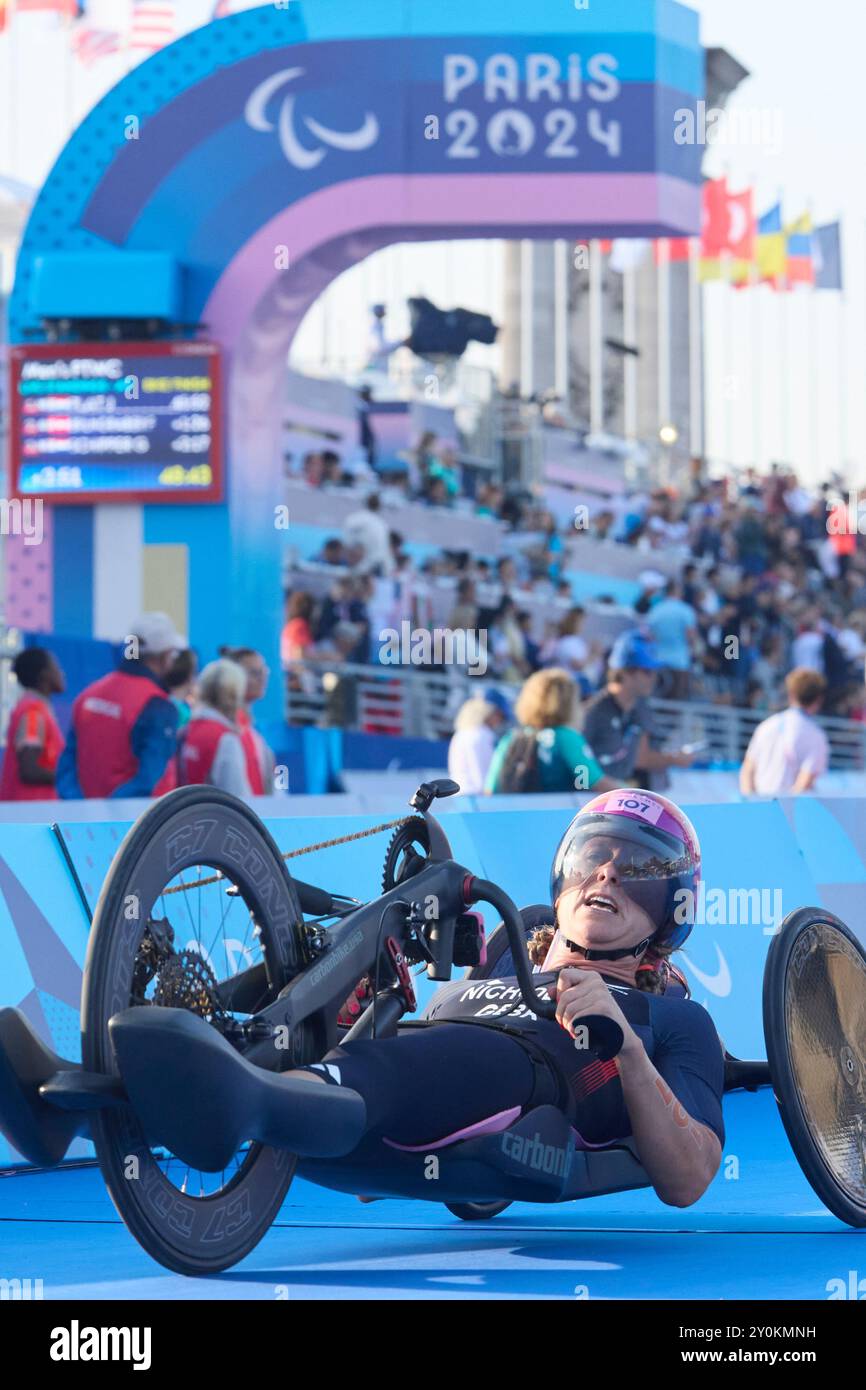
<point x="624" y="880"/>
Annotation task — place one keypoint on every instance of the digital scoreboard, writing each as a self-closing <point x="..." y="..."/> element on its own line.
<point x="102" y="422"/>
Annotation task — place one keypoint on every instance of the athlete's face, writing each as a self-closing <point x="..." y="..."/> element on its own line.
<point x="596" y="913"/>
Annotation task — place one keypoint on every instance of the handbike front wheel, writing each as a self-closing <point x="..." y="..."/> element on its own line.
<point x="476" y="1211"/>
<point x="815" y="1030"/>
<point x="196" y="899"/>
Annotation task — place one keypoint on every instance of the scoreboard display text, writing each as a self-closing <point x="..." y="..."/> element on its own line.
<point x="102" y="422"/>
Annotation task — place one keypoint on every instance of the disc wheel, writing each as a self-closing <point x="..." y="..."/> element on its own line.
<point x="476" y="1211"/>
<point x="197" y="897"/>
<point x="407" y="852"/>
<point x="815" y="1029"/>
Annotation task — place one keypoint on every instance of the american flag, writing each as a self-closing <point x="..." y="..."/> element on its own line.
<point x="154" y="24"/>
<point x="89" y="44"/>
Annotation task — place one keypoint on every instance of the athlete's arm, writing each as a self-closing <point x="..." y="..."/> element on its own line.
<point x="681" y="1156"/>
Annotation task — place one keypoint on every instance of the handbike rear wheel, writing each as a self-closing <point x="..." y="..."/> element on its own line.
<point x="160" y="888"/>
<point x="815" y="1031"/>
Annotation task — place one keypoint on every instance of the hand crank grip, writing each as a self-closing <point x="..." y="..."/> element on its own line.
<point x="604" y="1035"/>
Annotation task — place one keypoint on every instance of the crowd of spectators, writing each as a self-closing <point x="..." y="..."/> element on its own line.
<point x="151" y="724"/>
<point x="745" y="580"/>
<point x="772" y="577"/>
<point x="552" y="742"/>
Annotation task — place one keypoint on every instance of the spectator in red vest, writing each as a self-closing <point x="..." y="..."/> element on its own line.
<point x="33" y="739"/>
<point x="123" y="738"/>
<point x="212" y="750"/>
<point x="260" y="758"/>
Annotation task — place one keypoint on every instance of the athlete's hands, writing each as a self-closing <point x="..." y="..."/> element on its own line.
<point x="581" y="992"/>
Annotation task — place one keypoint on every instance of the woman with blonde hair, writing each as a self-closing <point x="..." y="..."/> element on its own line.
<point x="546" y="753"/>
<point x="211" y="749"/>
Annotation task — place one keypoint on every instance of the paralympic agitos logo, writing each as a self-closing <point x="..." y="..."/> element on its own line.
<point x="260" y="114"/>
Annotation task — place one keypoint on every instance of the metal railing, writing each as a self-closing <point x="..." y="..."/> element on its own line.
<point x="726" y="730"/>
<point x="377" y="699"/>
<point x="421" y="703"/>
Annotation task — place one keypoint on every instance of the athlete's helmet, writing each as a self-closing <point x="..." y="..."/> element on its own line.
<point x="655" y="850"/>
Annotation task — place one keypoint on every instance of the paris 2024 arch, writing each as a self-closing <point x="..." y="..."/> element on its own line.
<point x="223" y="183"/>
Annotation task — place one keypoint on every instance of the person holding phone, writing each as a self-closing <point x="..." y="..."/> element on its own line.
<point x="617" y="721"/>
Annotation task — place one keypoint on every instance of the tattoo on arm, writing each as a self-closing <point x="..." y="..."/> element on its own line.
<point x="680" y="1115"/>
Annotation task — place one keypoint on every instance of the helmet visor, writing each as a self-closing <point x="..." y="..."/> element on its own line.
<point x="653" y="868"/>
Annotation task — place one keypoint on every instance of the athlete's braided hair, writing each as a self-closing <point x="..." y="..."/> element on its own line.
<point x="653" y="975"/>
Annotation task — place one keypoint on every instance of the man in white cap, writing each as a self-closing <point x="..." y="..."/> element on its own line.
<point x="123" y="737"/>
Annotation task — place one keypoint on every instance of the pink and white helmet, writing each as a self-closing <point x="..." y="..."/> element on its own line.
<point x="656" y="851"/>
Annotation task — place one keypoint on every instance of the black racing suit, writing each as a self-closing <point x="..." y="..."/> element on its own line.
<point x="484" y="1053"/>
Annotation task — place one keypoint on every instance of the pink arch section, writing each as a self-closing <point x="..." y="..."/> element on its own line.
<point x="29" y="579"/>
<point x="444" y="206"/>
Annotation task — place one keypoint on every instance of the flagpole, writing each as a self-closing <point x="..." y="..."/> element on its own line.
<point x="784" y="318"/>
<point x="696" y="378"/>
<point x="69" y="78"/>
<point x="757" y="385"/>
<point x="596" y="329"/>
<point x="560" y="319"/>
<point x="630" y="362"/>
<point x="12" y="30"/>
<point x="842" y="373"/>
<point x="782" y="322"/>
<point x="730" y="376"/>
<point x="663" y="294"/>
<point x="527" y="346"/>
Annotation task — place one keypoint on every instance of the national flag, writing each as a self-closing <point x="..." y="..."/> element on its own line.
<point x="771" y="246"/>
<point x="714" y="220"/>
<point x="154" y="24"/>
<point x="742" y="233"/>
<point x="827" y="248"/>
<point x="800" y="263"/>
<point x="728" y="233"/>
<point x="89" y="43"/>
<point x="715" y="223"/>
